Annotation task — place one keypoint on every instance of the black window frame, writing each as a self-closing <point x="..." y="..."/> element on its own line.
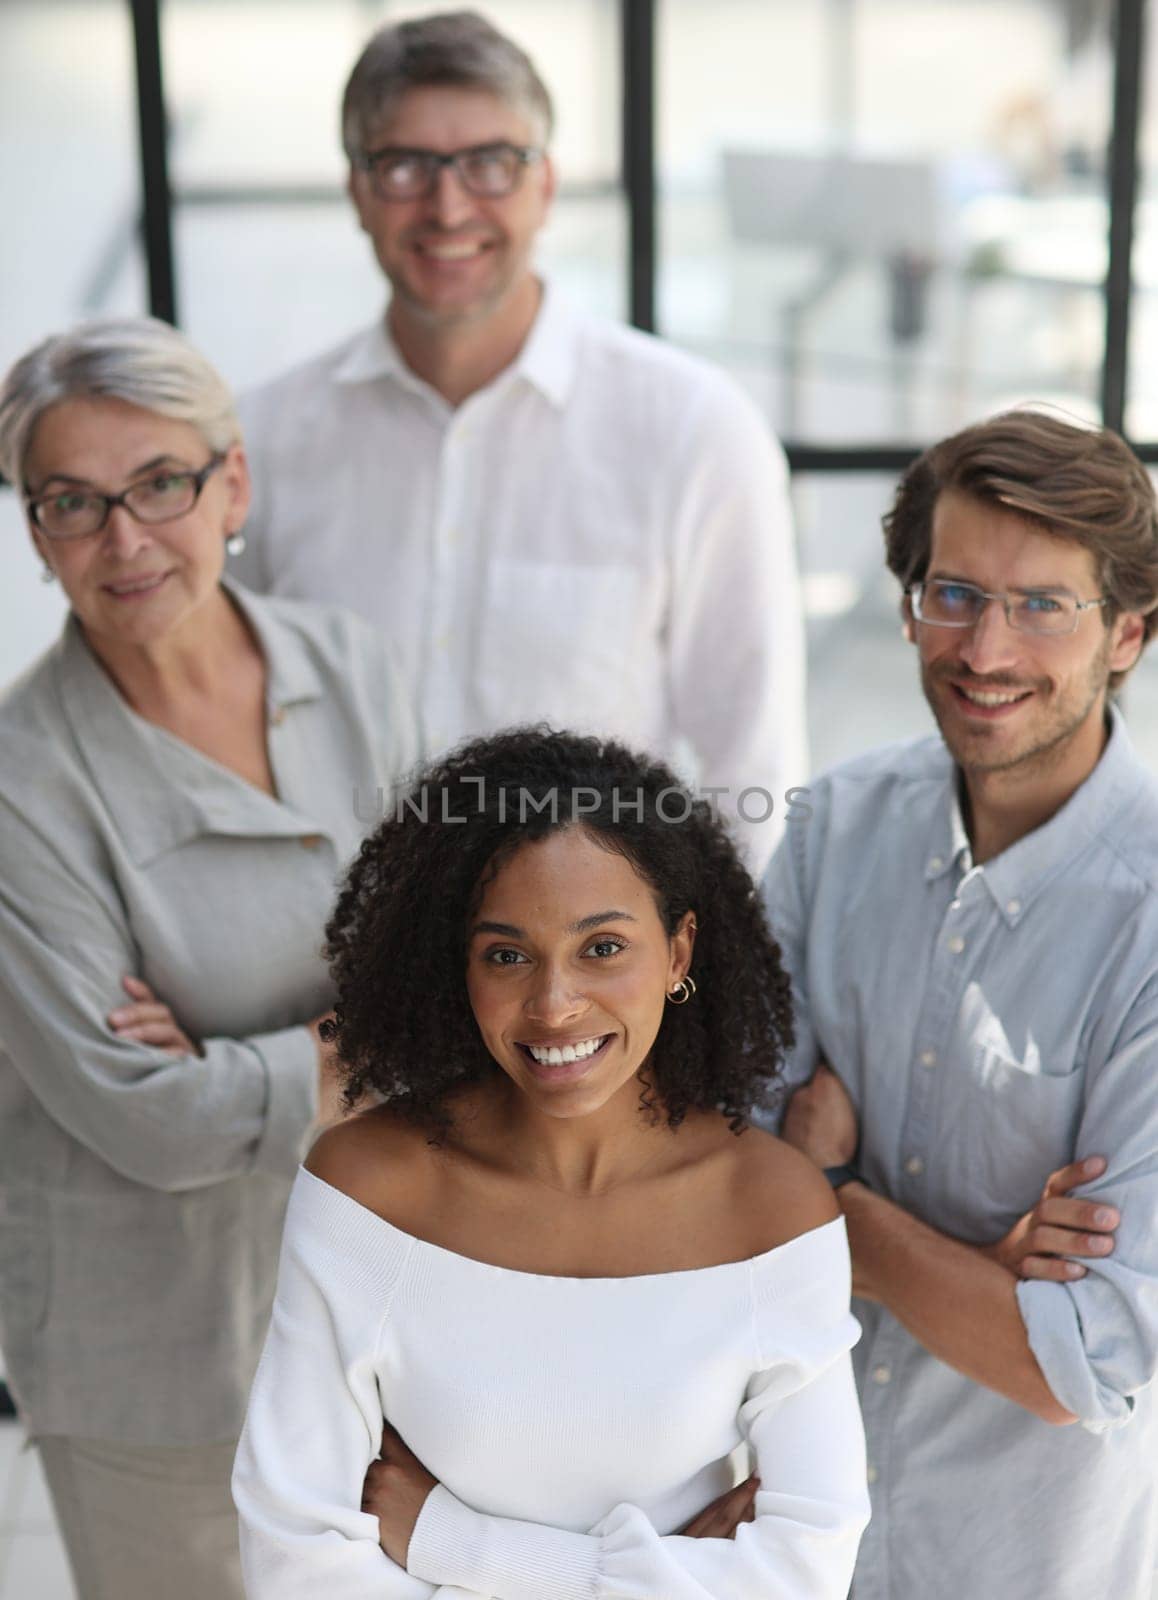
<point x="638" y="38"/>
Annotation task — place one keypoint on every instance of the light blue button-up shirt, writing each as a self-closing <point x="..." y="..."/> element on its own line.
<point x="992" y="1023"/>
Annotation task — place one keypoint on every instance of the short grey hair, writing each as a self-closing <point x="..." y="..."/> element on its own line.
<point x="137" y="359"/>
<point x="456" y="48"/>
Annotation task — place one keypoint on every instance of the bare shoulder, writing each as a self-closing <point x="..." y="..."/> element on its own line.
<point x="783" y="1193"/>
<point x="377" y="1158"/>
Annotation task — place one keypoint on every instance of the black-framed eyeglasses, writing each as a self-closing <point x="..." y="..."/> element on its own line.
<point x="947" y="603"/>
<point x="77" y="513"/>
<point x="489" y="171"/>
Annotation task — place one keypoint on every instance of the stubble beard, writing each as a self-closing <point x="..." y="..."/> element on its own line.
<point x="1045" y="749"/>
<point x="435" y="319"/>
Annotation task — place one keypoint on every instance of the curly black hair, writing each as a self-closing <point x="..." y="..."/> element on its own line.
<point x="396" y="942"/>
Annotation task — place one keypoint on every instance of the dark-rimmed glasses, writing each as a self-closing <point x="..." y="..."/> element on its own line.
<point x="77" y="513"/>
<point x="948" y="603"/>
<point x="489" y="171"/>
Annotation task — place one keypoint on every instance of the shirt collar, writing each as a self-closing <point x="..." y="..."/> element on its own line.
<point x="372" y="354"/>
<point x="291" y="672"/>
<point x="548" y="359"/>
<point x="550" y="356"/>
<point x="1017" y="875"/>
<point x="159" y="791"/>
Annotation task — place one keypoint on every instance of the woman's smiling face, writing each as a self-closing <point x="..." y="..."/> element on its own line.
<point x="134" y="583"/>
<point x="568" y="967"/>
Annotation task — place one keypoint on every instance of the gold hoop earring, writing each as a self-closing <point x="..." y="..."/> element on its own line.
<point x="685" y="988"/>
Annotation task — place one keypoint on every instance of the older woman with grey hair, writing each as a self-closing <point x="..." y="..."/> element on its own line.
<point x="178" y="797"/>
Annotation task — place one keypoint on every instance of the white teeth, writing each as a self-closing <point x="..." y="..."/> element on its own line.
<point x="555" y="1055"/>
<point x="991" y="699"/>
<point x="457" y="252"/>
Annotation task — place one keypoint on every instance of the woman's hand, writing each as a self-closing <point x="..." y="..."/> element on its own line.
<point x="1040" y="1243"/>
<point x="395" y="1491"/>
<point x="151" y="1021"/>
<point x="726" y="1512"/>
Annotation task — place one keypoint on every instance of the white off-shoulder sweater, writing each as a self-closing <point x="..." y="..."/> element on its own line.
<point x="572" y="1423"/>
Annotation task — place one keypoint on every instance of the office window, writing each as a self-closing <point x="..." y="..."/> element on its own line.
<point x="887" y="216"/>
<point x="271" y="265"/>
<point x="1142" y="397"/>
<point x="68" y="174"/>
<point x="68" y="159"/>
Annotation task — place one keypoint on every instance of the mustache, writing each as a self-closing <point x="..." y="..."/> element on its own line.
<point x="946" y="672"/>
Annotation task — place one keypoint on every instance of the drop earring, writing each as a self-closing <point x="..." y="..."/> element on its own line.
<point x="235" y="543"/>
<point x="47" y="575"/>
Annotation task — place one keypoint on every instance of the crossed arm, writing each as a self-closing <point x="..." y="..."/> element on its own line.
<point x="146" y="1018"/>
<point x="958" y="1300"/>
<point x="397" y="1485"/>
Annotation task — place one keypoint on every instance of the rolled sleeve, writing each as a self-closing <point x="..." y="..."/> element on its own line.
<point x="1096" y="1340"/>
<point x="1056" y="1337"/>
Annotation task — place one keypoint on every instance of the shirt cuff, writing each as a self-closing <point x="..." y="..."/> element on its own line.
<point x="461" y="1548"/>
<point x="289" y="1060"/>
<point x="1054" y="1329"/>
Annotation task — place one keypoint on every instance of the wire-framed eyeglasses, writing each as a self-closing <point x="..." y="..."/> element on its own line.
<point x="948" y="603"/>
<point x="76" y="512"/>
<point x="489" y="171"/>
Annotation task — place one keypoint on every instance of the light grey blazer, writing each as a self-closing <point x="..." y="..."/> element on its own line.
<point x="142" y="1196"/>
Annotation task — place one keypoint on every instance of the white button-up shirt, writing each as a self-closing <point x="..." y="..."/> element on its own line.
<point x="600" y="539"/>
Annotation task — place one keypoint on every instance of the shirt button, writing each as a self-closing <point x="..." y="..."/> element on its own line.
<point x="871" y="1473"/>
<point x="914" y="1166"/>
<point x="310" y="841"/>
<point x="881" y="1375"/>
<point x="928" y="1058"/>
<point x="935" y="863"/>
<point x="956" y="944"/>
<point x="1013" y="907"/>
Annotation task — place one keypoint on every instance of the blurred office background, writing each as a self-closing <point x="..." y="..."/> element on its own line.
<point x="885" y="217"/>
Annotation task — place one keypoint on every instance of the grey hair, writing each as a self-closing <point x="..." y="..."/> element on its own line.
<point x="137" y="359"/>
<point x="456" y="48"/>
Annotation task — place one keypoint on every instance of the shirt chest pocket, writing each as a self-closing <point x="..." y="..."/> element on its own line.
<point x="556" y="642"/>
<point x="1010" y="1125"/>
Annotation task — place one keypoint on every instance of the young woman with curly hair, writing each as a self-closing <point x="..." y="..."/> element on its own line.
<point x="533" y="1301"/>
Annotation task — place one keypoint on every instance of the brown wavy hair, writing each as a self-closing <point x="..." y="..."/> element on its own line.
<point x="1078" y="483"/>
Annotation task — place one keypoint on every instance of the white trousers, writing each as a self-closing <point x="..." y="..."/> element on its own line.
<point x="141" y="1522"/>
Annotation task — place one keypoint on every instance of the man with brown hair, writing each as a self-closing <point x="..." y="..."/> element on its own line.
<point x="972" y="929"/>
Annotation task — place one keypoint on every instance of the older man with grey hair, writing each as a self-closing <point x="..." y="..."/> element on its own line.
<point x="550" y="515"/>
